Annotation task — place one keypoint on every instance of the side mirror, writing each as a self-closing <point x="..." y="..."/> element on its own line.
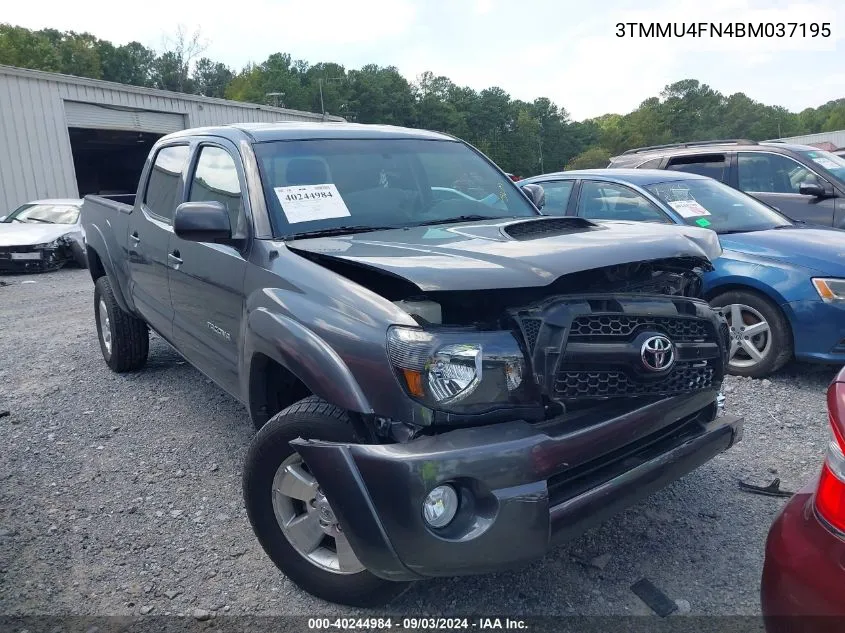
<point x="536" y="194"/>
<point x="202" y="222"/>
<point x="2" y="217"/>
<point x="816" y="189"/>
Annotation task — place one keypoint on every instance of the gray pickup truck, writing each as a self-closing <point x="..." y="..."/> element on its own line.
<point x="444" y="380"/>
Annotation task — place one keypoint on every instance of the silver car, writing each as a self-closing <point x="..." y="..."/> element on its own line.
<point x="41" y="236"/>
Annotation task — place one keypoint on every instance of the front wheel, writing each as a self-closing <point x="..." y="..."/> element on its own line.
<point x="292" y="517"/>
<point x="760" y="337"/>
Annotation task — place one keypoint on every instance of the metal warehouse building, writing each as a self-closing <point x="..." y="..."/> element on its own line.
<point x="830" y="140"/>
<point x="65" y="137"/>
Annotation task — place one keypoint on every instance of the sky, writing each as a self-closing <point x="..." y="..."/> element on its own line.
<point x="565" y="50"/>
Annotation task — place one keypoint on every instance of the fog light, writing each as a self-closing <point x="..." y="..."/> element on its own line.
<point x="440" y="506"/>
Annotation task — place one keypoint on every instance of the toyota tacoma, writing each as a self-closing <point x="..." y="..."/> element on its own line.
<point x="444" y="381"/>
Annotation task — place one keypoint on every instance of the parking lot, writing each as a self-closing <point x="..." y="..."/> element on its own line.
<point x="120" y="494"/>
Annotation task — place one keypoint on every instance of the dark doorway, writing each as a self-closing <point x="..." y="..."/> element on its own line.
<point x="109" y="161"/>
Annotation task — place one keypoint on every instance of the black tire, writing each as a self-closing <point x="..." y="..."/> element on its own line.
<point x="781" y="351"/>
<point x="130" y="337"/>
<point x="311" y="418"/>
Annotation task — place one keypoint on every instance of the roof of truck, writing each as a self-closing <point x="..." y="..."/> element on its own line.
<point x="303" y="130"/>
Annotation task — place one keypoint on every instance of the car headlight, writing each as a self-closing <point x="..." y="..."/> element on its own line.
<point x="460" y="371"/>
<point x="48" y="246"/>
<point x="830" y="289"/>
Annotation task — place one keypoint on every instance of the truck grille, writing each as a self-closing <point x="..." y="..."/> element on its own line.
<point x="595" y="347"/>
<point x="679" y="328"/>
<point x="684" y="378"/>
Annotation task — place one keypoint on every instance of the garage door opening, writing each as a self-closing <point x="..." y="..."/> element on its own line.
<point x="109" y="161"/>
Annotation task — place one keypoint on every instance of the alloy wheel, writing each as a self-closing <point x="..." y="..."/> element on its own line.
<point x="307" y="520"/>
<point x="750" y="335"/>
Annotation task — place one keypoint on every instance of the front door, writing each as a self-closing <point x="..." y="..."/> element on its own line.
<point x="775" y="179"/>
<point x="149" y="235"/>
<point x="206" y="280"/>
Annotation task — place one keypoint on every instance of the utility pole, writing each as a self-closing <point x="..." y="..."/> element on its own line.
<point x="320" y="81"/>
<point x="540" y="148"/>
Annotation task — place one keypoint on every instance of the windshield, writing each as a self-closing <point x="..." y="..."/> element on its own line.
<point x="327" y="185"/>
<point x="45" y="214"/>
<point x="716" y="206"/>
<point x="831" y="162"/>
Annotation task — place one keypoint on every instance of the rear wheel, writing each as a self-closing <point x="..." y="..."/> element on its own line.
<point x="124" y="338"/>
<point x="292" y="517"/>
<point x="761" y="340"/>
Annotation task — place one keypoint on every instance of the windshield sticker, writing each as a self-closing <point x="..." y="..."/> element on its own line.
<point x="703" y="222"/>
<point x="825" y="162"/>
<point x="306" y="203"/>
<point x="437" y="234"/>
<point x="688" y="208"/>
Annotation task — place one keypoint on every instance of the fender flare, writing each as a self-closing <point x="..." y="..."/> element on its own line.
<point x="305" y="355"/>
<point x="95" y="241"/>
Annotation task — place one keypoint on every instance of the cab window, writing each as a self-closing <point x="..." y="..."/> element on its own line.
<point x="160" y="196"/>
<point x="216" y="180"/>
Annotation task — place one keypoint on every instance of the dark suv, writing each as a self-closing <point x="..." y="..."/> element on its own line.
<point x="804" y="183"/>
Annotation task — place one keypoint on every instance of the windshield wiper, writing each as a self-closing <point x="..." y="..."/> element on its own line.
<point x="339" y="230"/>
<point x="38" y="220"/>
<point x="735" y="231"/>
<point x="461" y="218"/>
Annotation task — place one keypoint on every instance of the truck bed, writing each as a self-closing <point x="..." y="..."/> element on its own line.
<point x="106" y="223"/>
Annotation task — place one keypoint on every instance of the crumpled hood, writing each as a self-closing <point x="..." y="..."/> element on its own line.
<point x="480" y="255"/>
<point x="819" y="249"/>
<point x="25" y="234"/>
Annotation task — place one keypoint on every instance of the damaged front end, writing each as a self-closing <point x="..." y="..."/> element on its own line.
<point x="638" y="331"/>
<point x="38" y="258"/>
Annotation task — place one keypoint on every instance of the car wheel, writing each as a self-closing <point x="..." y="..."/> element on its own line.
<point x="124" y="338"/>
<point x="291" y="516"/>
<point x="761" y="339"/>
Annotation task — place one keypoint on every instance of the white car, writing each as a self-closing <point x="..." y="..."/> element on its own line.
<point x="42" y="235"/>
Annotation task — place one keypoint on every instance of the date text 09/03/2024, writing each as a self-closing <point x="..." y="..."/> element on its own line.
<point x="417" y="624"/>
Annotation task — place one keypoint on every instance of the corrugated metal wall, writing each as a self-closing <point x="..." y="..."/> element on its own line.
<point x="35" y="153"/>
<point x="837" y="138"/>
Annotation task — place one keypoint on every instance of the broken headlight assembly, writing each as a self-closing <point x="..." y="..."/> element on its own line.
<point x="462" y="372"/>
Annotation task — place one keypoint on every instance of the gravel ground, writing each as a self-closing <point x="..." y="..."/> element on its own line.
<point x="120" y="495"/>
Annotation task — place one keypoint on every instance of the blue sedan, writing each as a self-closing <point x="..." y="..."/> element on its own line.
<point x="780" y="285"/>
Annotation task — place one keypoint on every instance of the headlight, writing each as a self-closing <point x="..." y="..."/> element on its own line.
<point x="830" y="289"/>
<point x="460" y="372"/>
<point x="49" y="246"/>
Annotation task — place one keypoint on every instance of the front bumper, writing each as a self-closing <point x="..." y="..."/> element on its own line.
<point x="523" y="487"/>
<point x="11" y="259"/>
<point x="818" y="330"/>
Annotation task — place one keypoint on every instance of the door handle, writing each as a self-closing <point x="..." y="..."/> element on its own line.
<point x="135" y="239"/>
<point x="174" y="258"/>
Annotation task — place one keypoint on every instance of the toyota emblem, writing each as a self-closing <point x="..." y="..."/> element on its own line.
<point x="657" y="353"/>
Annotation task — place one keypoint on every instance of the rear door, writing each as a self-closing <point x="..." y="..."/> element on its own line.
<point x="149" y="235"/>
<point x="775" y="179"/>
<point x="207" y="280"/>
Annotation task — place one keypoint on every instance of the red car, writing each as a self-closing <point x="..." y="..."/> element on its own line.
<point x="803" y="585"/>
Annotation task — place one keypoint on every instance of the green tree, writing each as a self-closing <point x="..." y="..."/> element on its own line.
<point x="131" y="63"/>
<point x="210" y="78"/>
<point x="592" y="158"/>
<point x="27" y="49"/>
<point x="78" y="53"/>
